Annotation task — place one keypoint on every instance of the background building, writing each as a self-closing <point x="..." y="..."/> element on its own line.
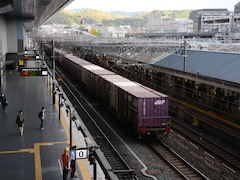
<point x="158" y="23"/>
<point x="210" y="20"/>
<point x="112" y="32"/>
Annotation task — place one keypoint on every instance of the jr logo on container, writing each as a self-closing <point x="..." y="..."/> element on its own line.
<point x="159" y="102"/>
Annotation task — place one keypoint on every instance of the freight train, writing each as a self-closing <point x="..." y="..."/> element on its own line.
<point x="144" y="110"/>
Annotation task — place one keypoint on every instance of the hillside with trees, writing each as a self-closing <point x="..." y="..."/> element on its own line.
<point x="96" y="17"/>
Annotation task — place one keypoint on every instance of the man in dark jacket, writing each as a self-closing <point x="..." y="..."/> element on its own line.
<point x="42" y="116"/>
<point x="20" y="122"/>
<point x="3" y="101"/>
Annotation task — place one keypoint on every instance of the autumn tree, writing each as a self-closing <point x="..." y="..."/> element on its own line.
<point x="93" y="31"/>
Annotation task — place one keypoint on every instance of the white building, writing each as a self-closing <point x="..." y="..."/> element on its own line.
<point x="112" y="32"/>
<point x="184" y="25"/>
<point x="154" y="22"/>
<point x="157" y="23"/>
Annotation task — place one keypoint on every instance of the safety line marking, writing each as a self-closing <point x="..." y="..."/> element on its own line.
<point x="17" y="151"/>
<point x="37" y="161"/>
<point x="60" y="167"/>
<point x="37" y="157"/>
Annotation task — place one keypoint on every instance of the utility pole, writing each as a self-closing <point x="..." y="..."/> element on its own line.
<point x="42" y="51"/>
<point x="53" y="72"/>
<point x="184" y="55"/>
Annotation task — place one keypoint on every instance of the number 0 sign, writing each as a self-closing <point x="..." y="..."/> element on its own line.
<point x="81" y="153"/>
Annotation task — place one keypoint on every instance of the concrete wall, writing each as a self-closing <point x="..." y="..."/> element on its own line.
<point x="3" y="48"/>
<point x="3" y="39"/>
<point x="12" y="36"/>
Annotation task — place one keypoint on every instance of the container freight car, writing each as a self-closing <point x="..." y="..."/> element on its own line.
<point x="141" y="108"/>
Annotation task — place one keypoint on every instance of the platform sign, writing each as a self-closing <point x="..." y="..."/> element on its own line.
<point x="44" y="71"/>
<point x="82" y="153"/>
<point x="34" y="72"/>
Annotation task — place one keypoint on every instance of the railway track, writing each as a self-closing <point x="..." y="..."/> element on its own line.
<point x="227" y="157"/>
<point x="213" y="161"/>
<point x="181" y="166"/>
<point x="211" y="158"/>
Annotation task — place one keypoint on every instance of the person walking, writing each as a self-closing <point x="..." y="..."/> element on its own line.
<point x="65" y="163"/>
<point x="42" y="115"/>
<point x="20" y="122"/>
<point x="72" y="155"/>
<point x="3" y="101"/>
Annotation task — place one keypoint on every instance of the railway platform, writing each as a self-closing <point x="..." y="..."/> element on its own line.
<point x="36" y="154"/>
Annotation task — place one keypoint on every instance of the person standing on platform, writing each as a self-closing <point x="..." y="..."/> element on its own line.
<point x="3" y="101"/>
<point x="72" y="155"/>
<point x="20" y="122"/>
<point x="42" y="115"/>
<point x="65" y="163"/>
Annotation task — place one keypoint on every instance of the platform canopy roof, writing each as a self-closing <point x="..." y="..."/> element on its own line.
<point x="218" y="65"/>
<point x="32" y="12"/>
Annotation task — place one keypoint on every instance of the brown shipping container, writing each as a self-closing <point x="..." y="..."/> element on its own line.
<point x="75" y="64"/>
<point x="111" y="90"/>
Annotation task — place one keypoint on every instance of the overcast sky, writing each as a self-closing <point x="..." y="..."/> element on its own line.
<point x="149" y="5"/>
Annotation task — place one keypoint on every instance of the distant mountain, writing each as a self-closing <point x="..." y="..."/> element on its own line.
<point x="77" y="10"/>
<point x="114" y="18"/>
<point x="124" y="13"/>
<point x="127" y="13"/>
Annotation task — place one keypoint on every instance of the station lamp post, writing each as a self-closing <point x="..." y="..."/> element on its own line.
<point x="60" y="99"/>
<point x="70" y="129"/>
<point x="70" y="124"/>
<point x="92" y="160"/>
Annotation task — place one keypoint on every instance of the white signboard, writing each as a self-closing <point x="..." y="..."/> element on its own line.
<point x="82" y="153"/>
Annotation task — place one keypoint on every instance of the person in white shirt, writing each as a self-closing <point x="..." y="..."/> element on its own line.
<point x="72" y="155"/>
